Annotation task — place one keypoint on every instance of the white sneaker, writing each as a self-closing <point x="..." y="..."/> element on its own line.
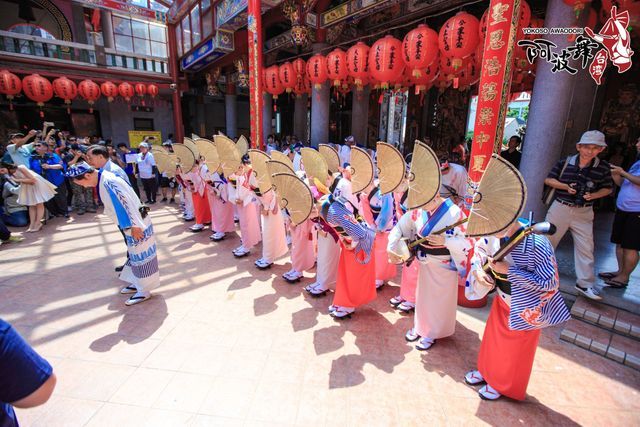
<point x="489" y="393"/>
<point x="590" y="292"/>
<point x="425" y="343"/>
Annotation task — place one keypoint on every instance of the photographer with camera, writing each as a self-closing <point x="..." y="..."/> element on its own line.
<point x="578" y="181"/>
<point x="50" y="166"/>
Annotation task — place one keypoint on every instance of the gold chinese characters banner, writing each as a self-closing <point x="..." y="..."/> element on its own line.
<point x="494" y="86"/>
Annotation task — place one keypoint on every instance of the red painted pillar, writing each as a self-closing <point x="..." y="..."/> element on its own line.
<point x="493" y="97"/>
<point x="173" y="73"/>
<point x="254" y="25"/>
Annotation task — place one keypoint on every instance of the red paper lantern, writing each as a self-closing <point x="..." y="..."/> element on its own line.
<point x="469" y="75"/>
<point x="317" y="70"/>
<point x="420" y="49"/>
<point x="273" y="83"/>
<point x="10" y="86"/>
<point x="458" y="36"/>
<point x="126" y="91"/>
<point x="287" y="76"/>
<point x="358" y="64"/>
<point x="520" y="54"/>
<point x="90" y="91"/>
<point x="302" y="86"/>
<point x="442" y="82"/>
<point x="37" y="89"/>
<point x="65" y="89"/>
<point x="482" y="27"/>
<point x="426" y="79"/>
<point x="141" y="89"/>
<point x="385" y="60"/>
<point x="109" y="89"/>
<point x="525" y="16"/>
<point x="152" y="90"/>
<point x="449" y="68"/>
<point x="337" y="66"/>
<point x="300" y="67"/>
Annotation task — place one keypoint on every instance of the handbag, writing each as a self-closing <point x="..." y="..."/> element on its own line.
<point x="549" y="193"/>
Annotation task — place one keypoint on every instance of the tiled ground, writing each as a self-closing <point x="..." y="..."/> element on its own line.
<point x="225" y="344"/>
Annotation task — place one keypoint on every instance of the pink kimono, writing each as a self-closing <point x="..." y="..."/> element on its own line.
<point x="221" y="208"/>
<point x="248" y="209"/>
<point x="303" y="253"/>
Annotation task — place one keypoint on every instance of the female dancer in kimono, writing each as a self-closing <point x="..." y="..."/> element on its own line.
<point x="303" y="247"/>
<point x="221" y="208"/>
<point x="442" y="258"/>
<point x="379" y="211"/>
<point x="200" y="198"/>
<point x="274" y="238"/>
<point x="527" y="300"/>
<point x="123" y="206"/>
<point x="406" y="300"/>
<point x="244" y="198"/>
<point x="186" y="188"/>
<point x="328" y="240"/>
<point x="355" y="285"/>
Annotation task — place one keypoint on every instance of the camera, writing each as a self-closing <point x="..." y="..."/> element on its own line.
<point x="581" y="189"/>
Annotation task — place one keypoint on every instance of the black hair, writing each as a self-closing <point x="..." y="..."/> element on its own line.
<point x="99" y="150"/>
<point x="517" y="138"/>
<point x="246" y="160"/>
<point x="121" y="144"/>
<point x="7" y="165"/>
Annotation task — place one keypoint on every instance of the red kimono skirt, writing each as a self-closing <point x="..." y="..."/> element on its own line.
<point x="506" y="356"/>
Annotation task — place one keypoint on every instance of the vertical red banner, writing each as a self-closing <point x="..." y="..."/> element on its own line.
<point x="494" y="87"/>
<point x="254" y="25"/>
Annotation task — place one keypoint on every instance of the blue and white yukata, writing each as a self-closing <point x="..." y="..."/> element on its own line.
<point x="122" y="205"/>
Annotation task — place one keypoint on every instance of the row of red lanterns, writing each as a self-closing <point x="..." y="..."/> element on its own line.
<point x="41" y="90"/>
<point x="424" y="58"/>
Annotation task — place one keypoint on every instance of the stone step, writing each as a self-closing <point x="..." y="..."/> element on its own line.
<point x="607" y="343"/>
<point x="611" y="318"/>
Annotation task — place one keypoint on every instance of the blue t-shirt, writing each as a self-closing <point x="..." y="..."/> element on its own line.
<point x="22" y="371"/>
<point x="54" y="176"/>
<point x="128" y="169"/>
<point x="629" y="196"/>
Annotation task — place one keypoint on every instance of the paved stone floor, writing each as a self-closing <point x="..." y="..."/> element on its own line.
<point x="224" y="344"/>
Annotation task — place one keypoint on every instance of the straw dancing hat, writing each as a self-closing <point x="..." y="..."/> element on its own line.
<point x="282" y="158"/>
<point x="155" y="149"/>
<point x="391" y="167"/>
<point x="209" y="153"/>
<point x="314" y="164"/>
<point x="294" y="195"/>
<point x="331" y="156"/>
<point x="185" y="157"/>
<point x="424" y="176"/>
<point x="361" y="170"/>
<point x="189" y="143"/>
<point x="166" y="162"/>
<point x="259" y="161"/>
<point x="243" y="145"/>
<point x="274" y="167"/>
<point x="230" y="158"/>
<point x="499" y="199"/>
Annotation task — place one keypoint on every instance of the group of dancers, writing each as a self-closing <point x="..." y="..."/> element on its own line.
<point x="357" y="237"/>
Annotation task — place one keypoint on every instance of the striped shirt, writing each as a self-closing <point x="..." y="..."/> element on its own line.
<point x="589" y="179"/>
<point x="535" y="300"/>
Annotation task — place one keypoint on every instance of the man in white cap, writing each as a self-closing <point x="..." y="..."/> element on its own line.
<point x="578" y="181"/>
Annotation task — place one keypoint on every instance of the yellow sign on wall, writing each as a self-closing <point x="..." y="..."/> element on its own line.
<point x="137" y="136"/>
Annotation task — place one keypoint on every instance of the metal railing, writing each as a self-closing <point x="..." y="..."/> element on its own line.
<point x="21" y="44"/>
<point x="130" y="61"/>
<point x="14" y="44"/>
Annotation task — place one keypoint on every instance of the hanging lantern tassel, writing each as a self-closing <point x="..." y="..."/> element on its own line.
<point x="90" y="107"/>
<point x="456" y="81"/>
<point x="421" y="98"/>
<point x="68" y="102"/>
<point x="41" y="104"/>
